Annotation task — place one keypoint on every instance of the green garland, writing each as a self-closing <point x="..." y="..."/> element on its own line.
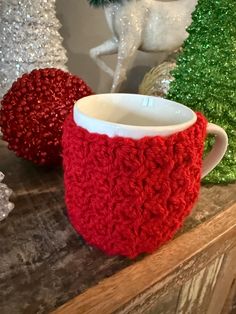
<point x="205" y="76"/>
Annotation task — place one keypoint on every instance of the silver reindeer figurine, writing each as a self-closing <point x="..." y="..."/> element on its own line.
<point x="146" y="25"/>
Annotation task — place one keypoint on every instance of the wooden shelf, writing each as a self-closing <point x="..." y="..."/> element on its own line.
<point x="44" y="264"/>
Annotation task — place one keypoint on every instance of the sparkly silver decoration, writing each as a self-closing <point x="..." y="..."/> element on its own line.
<point x="157" y="81"/>
<point x="146" y="25"/>
<point x="5" y="206"/>
<point x="29" y="39"/>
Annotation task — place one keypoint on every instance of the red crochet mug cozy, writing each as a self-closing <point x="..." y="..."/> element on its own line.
<point x="128" y="196"/>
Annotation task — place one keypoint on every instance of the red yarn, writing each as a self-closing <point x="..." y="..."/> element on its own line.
<point x="129" y="196"/>
<point x="33" y="112"/>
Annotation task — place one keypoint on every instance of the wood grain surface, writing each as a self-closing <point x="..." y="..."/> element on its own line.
<point x="132" y="289"/>
<point x="225" y="286"/>
<point x="44" y="263"/>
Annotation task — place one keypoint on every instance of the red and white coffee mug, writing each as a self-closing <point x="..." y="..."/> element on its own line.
<point x="132" y="169"/>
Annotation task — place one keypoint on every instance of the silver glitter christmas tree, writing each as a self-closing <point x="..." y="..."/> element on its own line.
<point x="5" y="206"/>
<point x="29" y="39"/>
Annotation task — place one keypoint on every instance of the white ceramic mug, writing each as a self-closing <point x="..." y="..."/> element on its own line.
<point x="137" y="116"/>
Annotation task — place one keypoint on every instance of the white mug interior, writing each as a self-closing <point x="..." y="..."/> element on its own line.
<point x="131" y="115"/>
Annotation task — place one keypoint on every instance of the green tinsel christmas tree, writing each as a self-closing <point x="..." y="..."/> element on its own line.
<point x="103" y="3"/>
<point x="205" y="76"/>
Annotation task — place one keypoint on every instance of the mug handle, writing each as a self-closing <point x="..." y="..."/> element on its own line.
<point x="218" y="150"/>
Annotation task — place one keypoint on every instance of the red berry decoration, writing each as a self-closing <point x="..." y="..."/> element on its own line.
<point x="33" y="112"/>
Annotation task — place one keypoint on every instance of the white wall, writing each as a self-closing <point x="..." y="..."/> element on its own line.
<point x="84" y="27"/>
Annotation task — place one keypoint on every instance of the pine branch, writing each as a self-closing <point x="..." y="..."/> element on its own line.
<point x="103" y="3"/>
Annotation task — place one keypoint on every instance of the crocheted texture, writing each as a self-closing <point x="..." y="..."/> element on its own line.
<point x="129" y="196"/>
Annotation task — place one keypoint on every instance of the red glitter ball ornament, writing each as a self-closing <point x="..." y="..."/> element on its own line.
<point x="33" y="112"/>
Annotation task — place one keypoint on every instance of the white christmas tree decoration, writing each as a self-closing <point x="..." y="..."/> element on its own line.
<point x="29" y="39"/>
<point x="5" y="206"/>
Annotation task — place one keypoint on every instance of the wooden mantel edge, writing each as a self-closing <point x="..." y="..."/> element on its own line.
<point x="111" y="293"/>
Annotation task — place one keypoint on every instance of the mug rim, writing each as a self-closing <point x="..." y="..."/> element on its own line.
<point x="84" y="120"/>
